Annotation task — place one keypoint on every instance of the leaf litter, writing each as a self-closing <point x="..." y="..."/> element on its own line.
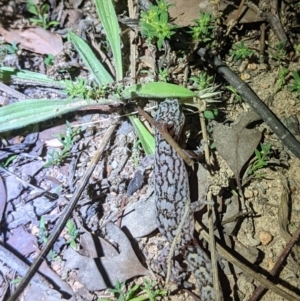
<point x="235" y="145"/>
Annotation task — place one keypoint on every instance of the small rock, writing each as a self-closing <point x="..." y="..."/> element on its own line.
<point x="243" y="66"/>
<point x="265" y="86"/>
<point x="114" y="164"/>
<point x="56" y="266"/>
<point x="265" y="238"/>
<point x="252" y="66"/>
<point x="248" y="193"/>
<point x="245" y="76"/>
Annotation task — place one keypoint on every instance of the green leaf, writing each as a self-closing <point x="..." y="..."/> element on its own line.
<point x="209" y="115"/>
<point x="90" y="60"/>
<point x="29" y="111"/>
<point x="257" y="154"/>
<point x="32" y="8"/>
<point x="164" y="17"/>
<point x="145" y="137"/>
<point x="44" y="9"/>
<point x="157" y="90"/>
<point x="108" y="17"/>
<point x="7" y="74"/>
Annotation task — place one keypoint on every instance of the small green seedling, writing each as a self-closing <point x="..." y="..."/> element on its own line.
<point x="136" y="293"/>
<point x="237" y="96"/>
<point x="155" y="24"/>
<point x="211" y="114"/>
<point x="240" y="51"/>
<point x="49" y="60"/>
<point x="282" y="74"/>
<point x="81" y="90"/>
<point x="78" y="89"/>
<point x="67" y="141"/>
<point x="13" y="48"/>
<point x="43" y="238"/>
<point x="203" y="81"/>
<point x="41" y="12"/>
<point x="203" y="30"/>
<point x="43" y="235"/>
<point x="73" y="233"/>
<point x="295" y="87"/>
<point x="163" y="75"/>
<point x="261" y="158"/>
<point x="278" y="53"/>
<point x="53" y="256"/>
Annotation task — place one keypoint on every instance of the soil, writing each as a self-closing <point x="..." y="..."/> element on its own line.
<point x="271" y="198"/>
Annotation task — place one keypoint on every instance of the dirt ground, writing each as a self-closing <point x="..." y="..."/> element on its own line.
<point x="255" y="228"/>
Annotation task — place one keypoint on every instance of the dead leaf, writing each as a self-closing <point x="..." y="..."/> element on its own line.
<point x="73" y="16"/>
<point x="184" y="14"/>
<point x="89" y="243"/>
<point x="25" y="243"/>
<point x="54" y="143"/>
<point x="20" y="267"/>
<point x="34" y="39"/>
<point x="236" y="144"/>
<point x="106" y="270"/>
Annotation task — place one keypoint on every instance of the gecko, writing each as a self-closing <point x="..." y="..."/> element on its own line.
<point x="171" y="187"/>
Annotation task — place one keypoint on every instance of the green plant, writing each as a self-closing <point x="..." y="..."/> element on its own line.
<point x="78" y="89"/>
<point x="163" y="75"/>
<point x="67" y="141"/>
<point x="13" y="48"/>
<point x="20" y="114"/>
<point x="73" y="233"/>
<point x="203" y="81"/>
<point x="53" y="256"/>
<point x="282" y="73"/>
<point x="235" y="93"/>
<point x="295" y="87"/>
<point x="278" y="53"/>
<point x="43" y="235"/>
<point x="136" y="293"/>
<point x="49" y="60"/>
<point x="261" y="158"/>
<point x="7" y="161"/>
<point x="211" y="114"/>
<point x="16" y="280"/>
<point x="155" y="24"/>
<point x="43" y="238"/>
<point x="41" y="12"/>
<point x="203" y="30"/>
<point x="240" y="51"/>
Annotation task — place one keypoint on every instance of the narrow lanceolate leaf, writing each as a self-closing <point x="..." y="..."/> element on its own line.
<point x="108" y="17"/>
<point x="157" y="90"/>
<point x="100" y="74"/>
<point x="29" y="111"/>
<point x="12" y="75"/>
<point x="145" y="137"/>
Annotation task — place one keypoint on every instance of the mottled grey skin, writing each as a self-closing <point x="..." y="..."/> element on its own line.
<point x="171" y="193"/>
